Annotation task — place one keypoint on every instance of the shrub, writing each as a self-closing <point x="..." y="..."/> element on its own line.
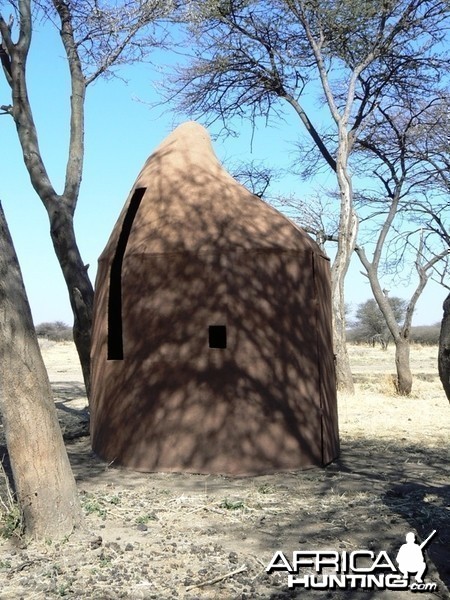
<point x="370" y="325"/>
<point x="56" y="331"/>
<point x="11" y="519"/>
<point x="426" y="334"/>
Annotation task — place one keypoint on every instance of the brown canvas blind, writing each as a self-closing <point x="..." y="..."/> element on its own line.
<point x="212" y="348"/>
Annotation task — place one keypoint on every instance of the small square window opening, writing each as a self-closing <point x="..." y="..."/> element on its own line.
<point x="217" y="336"/>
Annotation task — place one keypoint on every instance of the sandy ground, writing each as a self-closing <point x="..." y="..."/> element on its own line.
<point x="165" y="536"/>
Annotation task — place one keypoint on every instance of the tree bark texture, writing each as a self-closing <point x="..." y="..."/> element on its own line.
<point x="444" y="348"/>
<point x="403" y="382"/>
<point x="344" y="378"/>
<point x="401" y="335"/>
<point x="81" y="292"/>
<point x="348" y="229"/>
<point x="43" y="479"/>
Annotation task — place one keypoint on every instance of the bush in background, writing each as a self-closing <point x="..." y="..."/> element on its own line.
<point x="427" y="335"/>
<point x="56" y="331"/>
<point x="369" y="324"/>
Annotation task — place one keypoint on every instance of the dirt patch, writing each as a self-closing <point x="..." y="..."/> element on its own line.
<point x="167" y="536"/>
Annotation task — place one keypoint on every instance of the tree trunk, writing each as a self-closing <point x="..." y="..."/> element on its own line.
<point x="401" y="335"/>
<point x="403" y="383"/>
<point x="444" y="348"/>
<point x="348" y="229"/>
<point x="43" y="479"/>
<point x="81" y="292"/>
<point x="60" y="208"/>
<point x="344" y="378"/>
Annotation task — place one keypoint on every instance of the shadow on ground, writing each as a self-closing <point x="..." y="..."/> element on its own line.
<point x="368" y="499"/>
<point x="71" y="404"/>
<point x="68" y="391"/>
<point x="426" y="508"/>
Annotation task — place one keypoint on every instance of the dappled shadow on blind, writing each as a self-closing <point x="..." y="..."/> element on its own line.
<point x="265" y="402"/>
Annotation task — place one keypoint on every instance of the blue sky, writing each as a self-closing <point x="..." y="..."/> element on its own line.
<point x="121" y="131"/>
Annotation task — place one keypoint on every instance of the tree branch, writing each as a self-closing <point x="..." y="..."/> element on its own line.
<point x="25" y="28"/>
<point x="311" y="130"/>
<point x="113" y="57"/>
<point x="21" y="109"/>
<point x="5" y="48"/>
<point x="74" y="167"/>
<point x="317" y="51"/>
<point x="381" y="299"/>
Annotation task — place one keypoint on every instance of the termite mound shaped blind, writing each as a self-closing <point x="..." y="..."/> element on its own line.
<point x="226" y="358"/>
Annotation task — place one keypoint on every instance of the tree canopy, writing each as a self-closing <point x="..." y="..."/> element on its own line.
<point x="258" y="58"/>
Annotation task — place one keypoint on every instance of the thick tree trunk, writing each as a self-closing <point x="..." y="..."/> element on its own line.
<point x="444" y="348"/>
<point x="403" y="383"/>
<point x="81" y="292"/>
<point x="44" y="482"/>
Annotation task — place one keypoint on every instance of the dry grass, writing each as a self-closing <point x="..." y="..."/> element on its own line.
<point x="185" y="530"/>
<point x="377" y="412"/>
<point x="11" y="521"/>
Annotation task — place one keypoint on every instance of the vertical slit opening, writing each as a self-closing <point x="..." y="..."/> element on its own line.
<point x="115" y="337"/>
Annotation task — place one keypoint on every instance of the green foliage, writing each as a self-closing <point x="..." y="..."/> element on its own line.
<point x="232" y="504"/>
<point x="11" y="522"/>
<point x="64" y="590"/>
<point x="105" y="560"/>
<point x="93" y="506"/>
<point x="11" y="518"/>
<point x="113" y="500"/>
<point x="99" y="505"/>
<point x="144" y="519"/>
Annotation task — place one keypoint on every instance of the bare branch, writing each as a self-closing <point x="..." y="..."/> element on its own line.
<point x="96" y="37"/>
<point x="74" y="166"/>
<point x="5" y="47"/>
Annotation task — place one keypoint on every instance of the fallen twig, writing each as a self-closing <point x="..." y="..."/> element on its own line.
<point x="24" y="565"/>
<point x="216" y="579"/>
